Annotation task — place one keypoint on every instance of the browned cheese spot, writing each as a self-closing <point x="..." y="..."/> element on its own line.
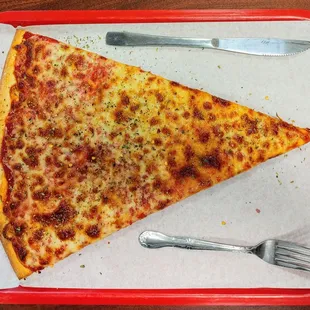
<point x="251" y="124"/>
<point x="38" y="235"/>
<point x="163" y="204"/>
<point x="62" y="215"/>
<point x="158" y="142"/>
<point x="42" y="195"/>
<point x="60" y="251"/>
<point x="93" y="231"/>
<point x="274" y="128"/>
<point x="232" y="144"/>
<point x="238" y="139"/>
<point x="125" y="99"/>
<point x="204" y="136"/>
<point x="266" y="145"/>
<point x="239" y="156"/>
<point x="154" y="121"/>
<point x="207" y="105"/>
<point x="166" y="131"/>
<point x="211" y="117"/>
<point x="188" y="153"/>
<point x="159" y="97"/>
<point x="66" y="234"/>
<point x="220" y="101"/>
<point x="8" y="231"/>
<point x="20" y="250"/>
<point x="186" y="115"/>
<point x="157" y="183"/>
<point x="134" y="108"/>
<point x="120" y="116"/>
<point x="217" y="131"/>
<point x="211" y="161"/>
<point x="197" y="114"/>
<point x="188" y="171"/>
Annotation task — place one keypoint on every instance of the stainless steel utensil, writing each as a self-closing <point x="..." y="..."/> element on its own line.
<point x="253" y="46"/>
<point x="275" y="252"/>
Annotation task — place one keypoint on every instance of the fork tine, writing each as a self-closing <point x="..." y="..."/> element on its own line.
<point x="293" y="247"/>
<point x="292" y="265"/>
<point x="291" y="254"/>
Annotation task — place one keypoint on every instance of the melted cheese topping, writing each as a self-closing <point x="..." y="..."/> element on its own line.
<point x="92" y="145"/>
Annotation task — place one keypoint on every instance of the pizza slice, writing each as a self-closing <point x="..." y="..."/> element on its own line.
<point x="90" y="145"/>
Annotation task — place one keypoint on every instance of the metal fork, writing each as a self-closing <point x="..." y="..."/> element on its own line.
<point x="275" y="252"/>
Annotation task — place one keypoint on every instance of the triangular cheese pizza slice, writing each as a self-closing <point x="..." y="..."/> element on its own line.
<point x="90" y="145"/>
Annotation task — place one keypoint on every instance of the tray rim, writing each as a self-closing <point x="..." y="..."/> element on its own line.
<point x="26" y="18"/>
<point x="216" y="296"/>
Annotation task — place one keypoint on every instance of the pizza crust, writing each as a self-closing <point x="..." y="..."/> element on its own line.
<point x="7" y="81"/>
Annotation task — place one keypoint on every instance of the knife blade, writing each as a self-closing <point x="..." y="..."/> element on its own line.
<point x="252" y="46"/>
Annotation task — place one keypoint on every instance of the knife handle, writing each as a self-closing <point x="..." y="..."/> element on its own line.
<point x="136" y="39"/>
<point x="155" y="240"/>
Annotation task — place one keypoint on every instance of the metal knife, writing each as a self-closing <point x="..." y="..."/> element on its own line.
<point x="253" y="46"/>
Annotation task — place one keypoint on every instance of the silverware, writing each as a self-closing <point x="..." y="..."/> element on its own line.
<point x="253" y="46"/>
<point x="275" y="252"/>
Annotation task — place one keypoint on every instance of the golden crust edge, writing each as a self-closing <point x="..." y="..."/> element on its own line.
<point x="7" y="80"/>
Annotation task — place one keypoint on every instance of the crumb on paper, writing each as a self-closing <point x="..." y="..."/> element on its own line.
<point x="285" y="155"/>
<point x="266" y="97"/>
<point x="100" y="273"/>
<point x="277" y="176"/>
<point x="223" y="223"/>
<point x="219" y="66"/>
<point x="292" y="182"/>
<point x="293" y="121"/>
<point x="80" y="254"/>
<point x="279" y="116"/>
<point x="109" y="242"/>
<point x="250" y="94"/>
<point x="156" y="49"/>
<point x="257" y="210"/>
<point x="82" y="266"/>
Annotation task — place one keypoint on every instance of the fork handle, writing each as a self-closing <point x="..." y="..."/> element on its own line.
<point x="155" y="240"/>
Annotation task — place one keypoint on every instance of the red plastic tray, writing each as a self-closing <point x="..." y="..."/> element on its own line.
<point x="261" y="296"/>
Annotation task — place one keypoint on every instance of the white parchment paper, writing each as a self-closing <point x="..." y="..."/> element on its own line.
<point x="269" y="201"/>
